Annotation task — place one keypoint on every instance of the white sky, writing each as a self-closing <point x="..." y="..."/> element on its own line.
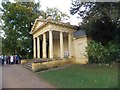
<point x="62" y="5"/>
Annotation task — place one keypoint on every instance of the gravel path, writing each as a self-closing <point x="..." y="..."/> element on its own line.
<point x="16" y="76"/>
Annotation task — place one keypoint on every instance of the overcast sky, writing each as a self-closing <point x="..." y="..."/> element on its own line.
<point x="62" y="5"/>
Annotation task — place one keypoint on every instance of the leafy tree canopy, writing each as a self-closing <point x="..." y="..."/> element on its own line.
<point x="56" y="14"/>
<point x="101" y="20"/>
<point x="18" y="19"/>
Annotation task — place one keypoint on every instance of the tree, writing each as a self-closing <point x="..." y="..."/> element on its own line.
<point x="18" y="19"/>
<point x="99" y="19"/>
<point x="56" y="14"/>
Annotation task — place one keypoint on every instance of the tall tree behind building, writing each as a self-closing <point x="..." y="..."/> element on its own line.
<point x="101" y="20"/>
<point x="56" y="14"/>
<point x="18" y="19"/>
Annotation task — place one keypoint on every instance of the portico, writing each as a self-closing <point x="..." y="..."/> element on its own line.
<point x="52" y="39"/>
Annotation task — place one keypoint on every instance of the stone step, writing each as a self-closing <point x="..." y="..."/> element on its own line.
<point x="28" y="65"/>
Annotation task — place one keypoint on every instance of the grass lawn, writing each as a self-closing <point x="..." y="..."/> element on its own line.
<point x="83" y="76"/>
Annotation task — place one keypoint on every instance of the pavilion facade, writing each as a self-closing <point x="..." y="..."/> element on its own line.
<point x="53" y="39"/>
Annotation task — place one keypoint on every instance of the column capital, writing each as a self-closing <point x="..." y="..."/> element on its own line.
<point x="69" y="33"/>
<point x="50" y="30"/>
<point x="43" y="33"/>
<point x="38" y="37"/>
<point x="34" y="37"/>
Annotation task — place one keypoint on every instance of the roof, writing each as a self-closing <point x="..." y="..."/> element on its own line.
<point x="49" y="21"/>
<point x="79" y="33"/>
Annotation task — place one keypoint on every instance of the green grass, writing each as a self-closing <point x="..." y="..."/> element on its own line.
<point x="83" y="76"/>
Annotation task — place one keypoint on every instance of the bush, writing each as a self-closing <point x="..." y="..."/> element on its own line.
<point x="103" y="54"/>
<point x="114" y="52"/>
<point x="96" y="52"/>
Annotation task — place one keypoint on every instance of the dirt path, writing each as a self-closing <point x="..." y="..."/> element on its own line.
<point x="16" y="76"/>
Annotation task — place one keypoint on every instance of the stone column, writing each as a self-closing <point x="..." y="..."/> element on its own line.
<point x="69" y="44"/>
<point x="44" y="46"/>
<point x="38" y="47"/>
<point x="34" y="48"/>
<point x="61" y="45"/>
<point x="50" y="44"/>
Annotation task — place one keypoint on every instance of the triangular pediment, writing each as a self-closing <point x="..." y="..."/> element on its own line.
<point x="37" y="23"/>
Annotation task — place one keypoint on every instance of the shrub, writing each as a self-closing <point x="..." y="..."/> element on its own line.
<point x="114" y="52"/>
<point x="96" y="52"/>
<point x="103" y="54"/>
